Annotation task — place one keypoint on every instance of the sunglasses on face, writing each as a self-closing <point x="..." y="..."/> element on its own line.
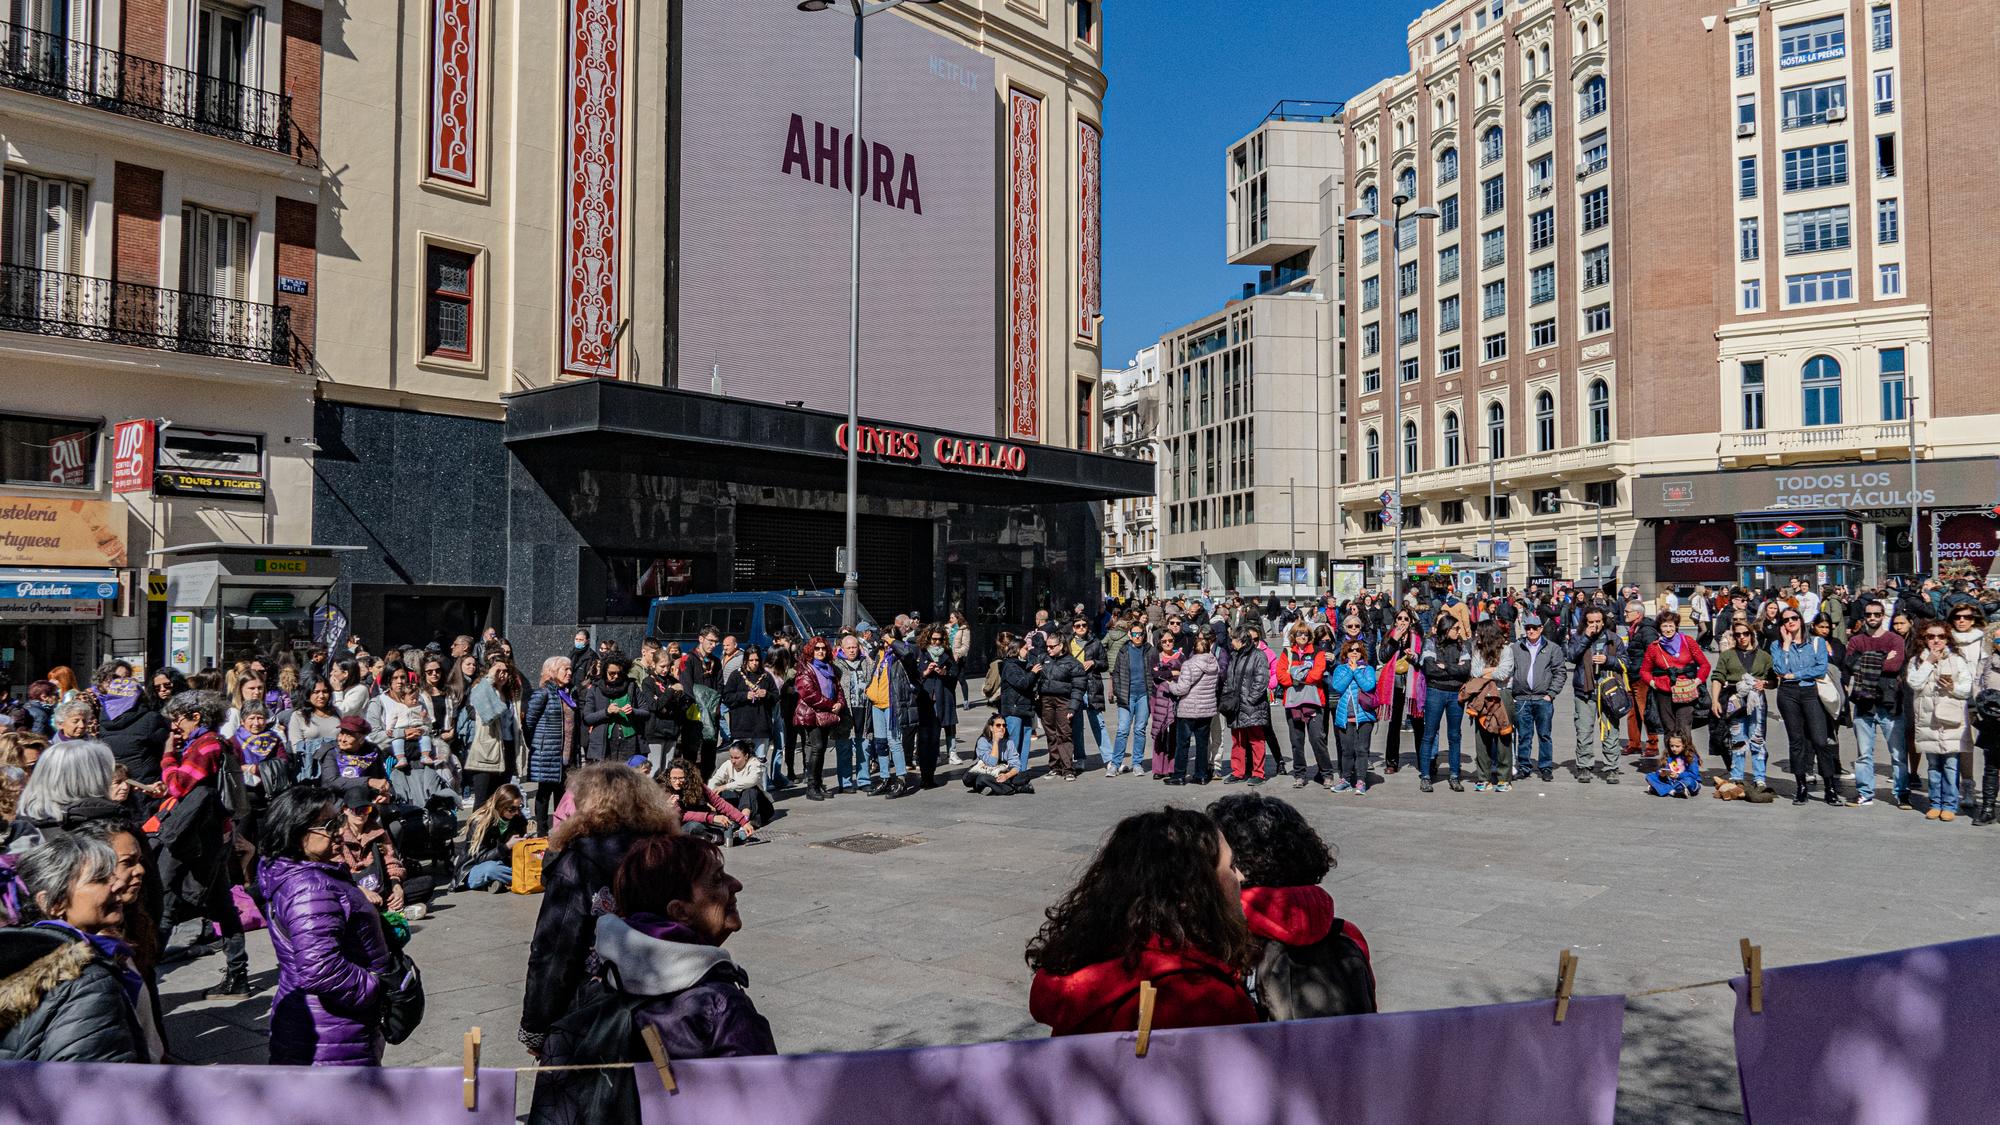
<point x="1791" y="617"/>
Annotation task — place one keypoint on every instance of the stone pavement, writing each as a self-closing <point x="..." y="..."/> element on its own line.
<point x="1466" y="898"/>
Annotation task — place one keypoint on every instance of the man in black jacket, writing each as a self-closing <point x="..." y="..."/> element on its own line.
<point x="1088" y="652"/>
<point x="1639" y="633"/>
<point x="1058" y="693"/>
<point x="1594" y="651"/>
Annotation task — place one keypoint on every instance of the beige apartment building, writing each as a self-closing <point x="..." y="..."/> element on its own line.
<point x="1251" y="393"/>
<point x="1130" y="405"/>
<point x="506" y="220"/>
<point x="160" y="181"/>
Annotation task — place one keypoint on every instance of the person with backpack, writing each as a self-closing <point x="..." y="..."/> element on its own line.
<point x="1597" y="657"/>
<point x="1874" y="663"/>
<point x="1306" y="960"/>
<point x="1492" y="712"/>
<point x="665" y="971"/>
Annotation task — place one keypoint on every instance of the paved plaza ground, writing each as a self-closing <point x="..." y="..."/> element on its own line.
<point x="1466" y="898"/>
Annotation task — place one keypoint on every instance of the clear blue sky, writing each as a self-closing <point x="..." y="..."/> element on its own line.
<point x="1188" y="77"/>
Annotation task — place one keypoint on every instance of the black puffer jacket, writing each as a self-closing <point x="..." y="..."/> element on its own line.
<point x="61" y="1001"/>
<point x="1061" y="677"/>
<point x="1093" y="676"/>
<point x="1017" y="690"/>
<point x="136" y="739"/>
<point x="577" y="890"/>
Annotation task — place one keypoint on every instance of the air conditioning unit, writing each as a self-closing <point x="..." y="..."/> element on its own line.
<point x="1746" y="128"/>
<point x="1836" y="113"/>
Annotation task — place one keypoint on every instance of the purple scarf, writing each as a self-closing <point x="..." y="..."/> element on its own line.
<point x="566" y="698"/>
<point x="654" y="926"/>
<point x="823" y="672"/>
<point x="118" y="695"/>
<point x="256" y="747"/>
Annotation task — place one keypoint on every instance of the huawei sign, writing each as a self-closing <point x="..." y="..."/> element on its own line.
<point x="132" y="456"/>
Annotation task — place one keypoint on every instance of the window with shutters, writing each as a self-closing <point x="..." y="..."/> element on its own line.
<point x="43" y="223"/>
<point x="448" y="283"/>
<point x="215" y="253"/>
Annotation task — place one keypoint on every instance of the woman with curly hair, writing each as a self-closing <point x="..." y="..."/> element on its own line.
<point x="1308" y="962"/>
<point x="616" y="806"/>
<point x="1159" y="904"/>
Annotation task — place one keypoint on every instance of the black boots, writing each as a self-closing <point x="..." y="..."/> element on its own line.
<point x="1989" y="791"/>
<point x="235" y="986"/>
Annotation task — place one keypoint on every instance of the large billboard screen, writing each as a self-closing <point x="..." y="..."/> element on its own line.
<point x="765" y="112"/>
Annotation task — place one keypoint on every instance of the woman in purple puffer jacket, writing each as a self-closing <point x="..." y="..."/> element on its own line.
<point x="331" y="951"/>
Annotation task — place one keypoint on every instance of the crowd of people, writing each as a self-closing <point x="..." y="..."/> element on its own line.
<point x="330" y="796"/>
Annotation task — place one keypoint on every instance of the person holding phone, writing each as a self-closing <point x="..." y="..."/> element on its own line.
<point x="1940" y="682"/>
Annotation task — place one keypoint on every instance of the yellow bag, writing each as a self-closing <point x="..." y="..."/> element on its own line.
<point x="527" y="864"/>
<point x="878" y="688"/>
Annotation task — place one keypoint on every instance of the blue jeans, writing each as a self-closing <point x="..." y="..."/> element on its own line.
<point x="1021" y="736"/>
<point x="1133" y="722"/>
<point x="399" y="749"/>
<point x="1532" y="717"/>
<point x="489" y="871"/>
<point x="1746" y="735"/>
<point x="1076" y="722"/>
<point x="1440" y="705"/>
<point x="850" y="756"/>
<point x="1191" y="749"/>
<point x="1944" y="782"/>
<point x="1889" y="728"/>
<point x="889" y="735"/>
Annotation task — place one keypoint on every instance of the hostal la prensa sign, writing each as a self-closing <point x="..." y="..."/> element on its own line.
<point x="892" y="444"/>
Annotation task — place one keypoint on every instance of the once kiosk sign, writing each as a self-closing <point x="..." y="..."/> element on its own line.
<point x="888" y="443"/>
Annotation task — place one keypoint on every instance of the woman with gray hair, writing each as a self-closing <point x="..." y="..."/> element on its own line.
<point x="71" y="785"/>
<point x="67" y="985"/>
<point x="72" y="719"/>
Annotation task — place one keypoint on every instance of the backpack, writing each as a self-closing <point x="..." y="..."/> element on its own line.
<point x="1328" y="978"/>
<point x="1614" y="697"/>
<point x="993" y="682"/>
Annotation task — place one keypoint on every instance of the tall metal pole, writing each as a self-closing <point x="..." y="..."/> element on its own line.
<point x="1393" y="283"/>
<point x="857" y="164"/>
<point x="1292" y="546"/>
<point x="1492" y="534"/>
<point x="1599" y="510"/>
<point x="1910" y="419"/>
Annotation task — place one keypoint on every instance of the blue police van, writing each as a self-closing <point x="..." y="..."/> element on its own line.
<point x="753" y="618"/>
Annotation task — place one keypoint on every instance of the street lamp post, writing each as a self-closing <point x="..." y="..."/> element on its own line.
<point x="1393" y="325"/>
<point x="1492" y="534"/>
<point x="1597" y="568"/>
<point x="857" y="172"/>
<point x="1910" y="420"/>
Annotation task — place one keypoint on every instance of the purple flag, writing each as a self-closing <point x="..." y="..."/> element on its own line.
<point x="99" y="1093"/>
<point x="1507" y="1064"/>
<point x="1890" y="1039"/>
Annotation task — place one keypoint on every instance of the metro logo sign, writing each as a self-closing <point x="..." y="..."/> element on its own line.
<point x="132" y="456"/>
<point x="1790" y="530"/>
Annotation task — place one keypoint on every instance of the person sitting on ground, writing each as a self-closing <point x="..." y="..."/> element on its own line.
<point x="67" y="984"/>
<point x="739" y="780"/>
<point x="993" y="771"/>
<point x="616" y="806"/>
<point x="352" y="759"/>
<point x="1309" y="962"/>
<point x="667" y="970"/>
<point x="1679" y="774"/>
<point x="1160" y="903"/>
<point x="369" y="852"/>
<point x="489" y="842"/>
<point x="703" y="811"/>
<point x="327" y="936"/>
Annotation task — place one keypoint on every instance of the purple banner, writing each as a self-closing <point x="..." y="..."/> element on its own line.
<point x="1908" y="1036"/>
<point x="1507" y="1064"/>
<point x="101" y="1093"/>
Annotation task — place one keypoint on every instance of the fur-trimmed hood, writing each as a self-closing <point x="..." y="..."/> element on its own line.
<point x="34" y="963"/>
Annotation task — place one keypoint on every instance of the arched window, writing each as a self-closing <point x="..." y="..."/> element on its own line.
<point x="1409" y="447"/>
<point x="1545" y="422"/>
<point x="1541" y="122"/>
<point x="1592" y="100"/>
<point x="1371" y="200"/>
<point x="1821" y="384"/>
<point x="1492" y="145"/>
<point x="1482" y="90"/>
<point x="1547" y="57"/>
<point x="1597" y="30"/>
<point x="1406" y="184"/>
<point x="1451" y="107"/>
<point x="1451" y="439"/>
<point x="1447" y="166"/>
<point x="1496" y="431"/>
<point x="1582" y="36"/>
<point x="1372" y="445"/>
<point x="1600" y="412"/>
<point x="1528" y="66"/>
<point x="1437" y="110"/>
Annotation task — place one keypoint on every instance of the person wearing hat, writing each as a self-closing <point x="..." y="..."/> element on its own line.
<point x="1538" y="663"/>
<point x="368" y="852"/>
<point x="352" y="758"/>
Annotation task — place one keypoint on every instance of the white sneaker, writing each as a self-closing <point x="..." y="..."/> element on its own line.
<point x="1111" y="771"/>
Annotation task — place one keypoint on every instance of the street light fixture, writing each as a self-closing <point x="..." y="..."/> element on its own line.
<point x="1368" y="215"/>
<point x="850" y="592"/>
<point x="1597" y="568"/>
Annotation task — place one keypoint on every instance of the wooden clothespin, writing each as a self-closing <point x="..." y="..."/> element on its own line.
<point x="1148" y="996"/>
<point x="1565" y="983"/>
<point x="472" y="1069"/>
<point x="1753" y="968"/>
<point x="658" y="1050"/>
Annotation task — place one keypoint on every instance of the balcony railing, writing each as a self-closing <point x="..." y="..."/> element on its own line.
<point x="1817" y="439"/>
<point x="49" y="303"/>
<point x="81" y="74"/>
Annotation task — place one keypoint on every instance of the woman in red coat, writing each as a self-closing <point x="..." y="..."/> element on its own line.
<point x="819" y="709"/>
<point x="1674" y="661"/>
<point x="1162" y="903"/>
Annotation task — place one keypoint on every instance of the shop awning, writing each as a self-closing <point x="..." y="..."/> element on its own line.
<point x="24" y="583"/>
<point x="603" y="423"/>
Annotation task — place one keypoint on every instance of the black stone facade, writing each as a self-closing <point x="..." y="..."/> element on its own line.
<point x="442" y="504"/>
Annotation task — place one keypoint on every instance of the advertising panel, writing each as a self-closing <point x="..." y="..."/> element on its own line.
<point x="1968" y="544"/>
<point x="207" y="463"/>
<point x="69" y="458"/>
<point x="132" y="456"/>
<point x="766" y="162"/>
<point x="1695" y="552"/>
<point x="38" y="532"/>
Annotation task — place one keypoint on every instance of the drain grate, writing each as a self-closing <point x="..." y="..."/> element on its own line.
<point x="870" y="843"/>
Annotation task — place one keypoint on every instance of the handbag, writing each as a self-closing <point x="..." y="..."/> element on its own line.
<point x="402" y="998"/>
<point x="275" y="774"/>
<point x="1686" y="691"/>
<point x="1831" y="696"/>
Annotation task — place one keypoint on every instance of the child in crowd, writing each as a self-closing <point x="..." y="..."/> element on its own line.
<point x="1679" y="774"/>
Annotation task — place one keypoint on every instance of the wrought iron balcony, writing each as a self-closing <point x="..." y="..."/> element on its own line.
<point x="81" y="74"/>
<point x="50" y="303"/>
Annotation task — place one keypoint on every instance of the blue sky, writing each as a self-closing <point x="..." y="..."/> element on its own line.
<point x="1186" y="79"/>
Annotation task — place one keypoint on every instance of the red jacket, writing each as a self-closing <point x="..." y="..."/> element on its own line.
<point x="815" y="707"/>
<point x="1195" y="990"/>
<point x="1314" y="675"/>
<point x="1659" y="669"/>
<point x="1296" y="916"/>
